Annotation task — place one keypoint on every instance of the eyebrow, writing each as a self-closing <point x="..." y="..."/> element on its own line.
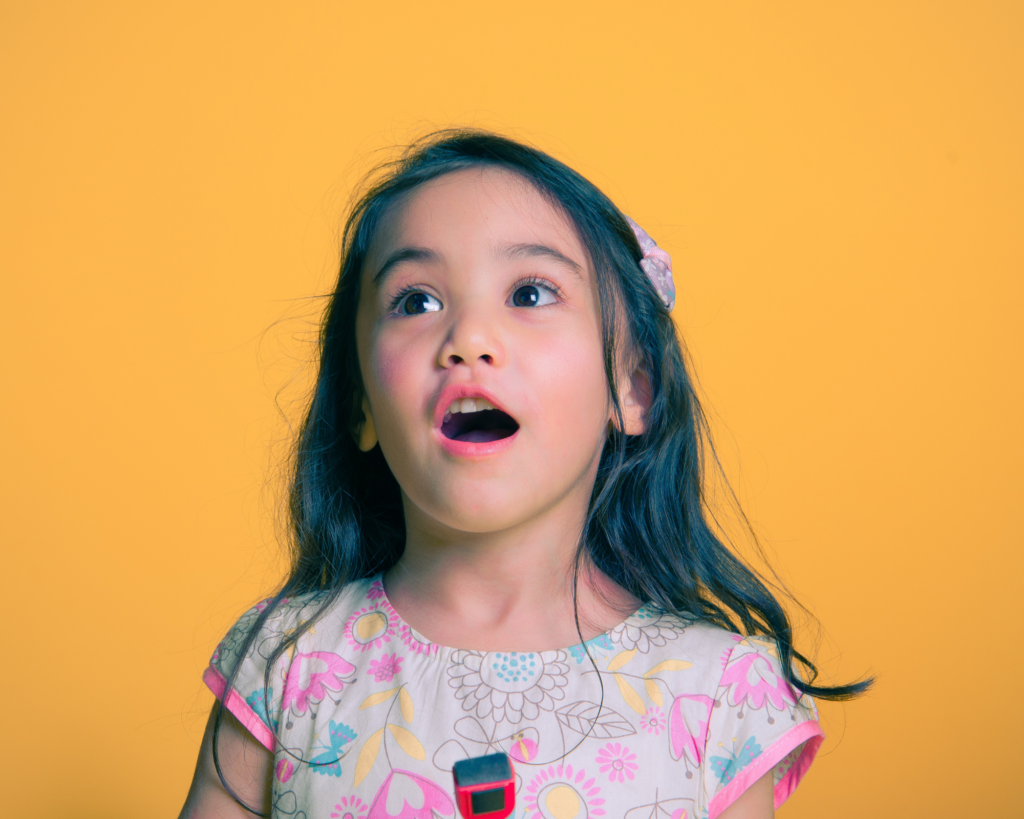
<point x="515" y="250"/>
<point x="405" y="254"/>
<point x="526" y="250"/>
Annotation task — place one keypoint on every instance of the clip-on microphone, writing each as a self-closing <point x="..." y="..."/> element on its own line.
<point x="485" y="786"/>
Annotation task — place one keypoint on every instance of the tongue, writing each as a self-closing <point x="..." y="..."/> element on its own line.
<point x="482" y="436"/>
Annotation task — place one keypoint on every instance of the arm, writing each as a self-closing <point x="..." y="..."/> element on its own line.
<point x="756" y="802"/>
<point x="246" y="765"/>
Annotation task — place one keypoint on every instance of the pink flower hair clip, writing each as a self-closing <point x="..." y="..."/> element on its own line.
<point x="657" y="264"/>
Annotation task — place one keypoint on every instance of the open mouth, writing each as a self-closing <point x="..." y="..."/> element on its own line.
<point x="477" y="421"/>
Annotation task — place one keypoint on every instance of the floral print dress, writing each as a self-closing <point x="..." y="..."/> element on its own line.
<point x="365" y="717"/>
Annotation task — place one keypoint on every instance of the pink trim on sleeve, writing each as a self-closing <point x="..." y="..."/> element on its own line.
<point x="809" y="732"/>
<point x="239" y="708"/>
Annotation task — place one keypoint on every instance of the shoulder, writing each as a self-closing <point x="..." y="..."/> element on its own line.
<point x="251" y="669"/>
<point x="261" y="629"/>
<point x="667" y="656"/>
<point x="715" y="660"/>
<point x="743" y="667"/>
<point x="660" y="634"/>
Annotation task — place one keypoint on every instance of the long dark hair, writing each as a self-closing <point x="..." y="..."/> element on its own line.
<point x="649" y="526"/>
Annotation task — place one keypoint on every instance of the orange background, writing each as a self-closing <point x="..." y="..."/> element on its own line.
<point x="842" y="189"/>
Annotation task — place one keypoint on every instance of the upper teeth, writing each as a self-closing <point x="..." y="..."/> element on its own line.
<point x="470" y="405"/>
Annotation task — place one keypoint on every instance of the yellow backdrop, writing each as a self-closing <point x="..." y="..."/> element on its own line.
<point x="841" y="186"/>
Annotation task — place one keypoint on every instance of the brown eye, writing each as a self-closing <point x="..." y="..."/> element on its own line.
<point x="416" y="303"/>
<point x="532" y="295"/>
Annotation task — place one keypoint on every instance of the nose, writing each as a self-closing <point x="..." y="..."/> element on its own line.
<point x="472" y="338"/>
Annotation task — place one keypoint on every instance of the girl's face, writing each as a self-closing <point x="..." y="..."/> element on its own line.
<point x="477" y="295"/>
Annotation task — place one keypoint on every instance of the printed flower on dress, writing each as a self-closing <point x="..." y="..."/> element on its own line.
<point x="616" y="760"/>
<point x="350" y="807"/>
<point x="311" y="676"/>
<point x="415" y="642"/>
<point x="752" y="680"/>
<point x="508" y="685"/>
<point x="233" y="640"/>
<point x="654" y="721"/>
<point x="601" y="644"/>
<point x="371" y="626"/>
<point x="560" y="792"/>
<point x="688" y="721"/>
<point x="644" y="630"/>
<point x="376" y="590"/>
<point x="269" y="635"/>
<point x="384" y="669"/>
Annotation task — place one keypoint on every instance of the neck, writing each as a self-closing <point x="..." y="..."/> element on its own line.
<point x="510" y="590"/>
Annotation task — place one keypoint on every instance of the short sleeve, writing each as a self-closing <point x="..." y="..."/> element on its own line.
<point x="758" y="724"/>
<point x="252" y="699"/>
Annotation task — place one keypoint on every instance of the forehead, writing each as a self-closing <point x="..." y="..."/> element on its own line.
<point x="473" y="209"/>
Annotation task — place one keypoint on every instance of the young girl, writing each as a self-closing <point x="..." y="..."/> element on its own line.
<point x="501" y="540"/>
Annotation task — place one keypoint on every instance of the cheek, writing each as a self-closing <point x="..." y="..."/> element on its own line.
<point x="395" y="382"/>
<point x="575" y="399"/>
<point x="389" y="370"/>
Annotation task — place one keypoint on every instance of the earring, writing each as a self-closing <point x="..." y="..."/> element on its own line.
<point x="368" y="432"/>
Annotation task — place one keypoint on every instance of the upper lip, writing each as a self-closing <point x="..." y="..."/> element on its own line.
<point x="454" y="392"/>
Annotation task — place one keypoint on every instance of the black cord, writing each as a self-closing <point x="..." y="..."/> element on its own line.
<point x="216" y="761"/>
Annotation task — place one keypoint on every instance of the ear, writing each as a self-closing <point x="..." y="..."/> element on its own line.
<point x="635" y="399"/>
<point x="366" y="433"/>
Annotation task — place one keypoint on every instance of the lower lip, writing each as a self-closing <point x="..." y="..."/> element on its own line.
<point x="466" y="449"/>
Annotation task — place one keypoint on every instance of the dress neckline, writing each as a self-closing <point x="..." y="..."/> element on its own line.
<point x="376" y="592"/>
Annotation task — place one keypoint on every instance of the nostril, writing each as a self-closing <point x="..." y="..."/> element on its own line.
<point x="489" y="359"/>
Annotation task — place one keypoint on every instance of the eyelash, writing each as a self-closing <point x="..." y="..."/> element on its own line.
<point x="401" y="294"/>
<point x="536" y="281"/>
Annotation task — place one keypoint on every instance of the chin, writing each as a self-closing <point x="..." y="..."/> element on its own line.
<point x="484" y="518"/>
<point x="480" y="513"/>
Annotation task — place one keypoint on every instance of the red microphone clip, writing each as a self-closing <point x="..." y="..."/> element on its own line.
<point x="485" y="786"/>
